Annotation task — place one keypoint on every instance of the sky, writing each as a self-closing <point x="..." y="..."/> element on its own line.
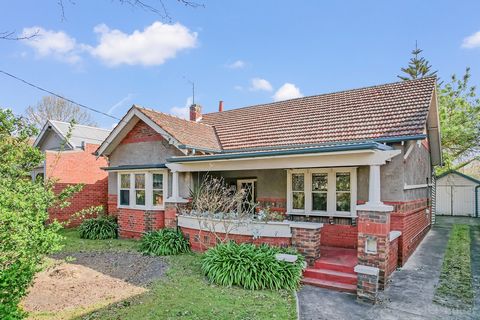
<point x="109" y="56"/>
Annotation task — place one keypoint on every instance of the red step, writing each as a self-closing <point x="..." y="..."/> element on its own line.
<point x="320" y="264"/>
<point x="331" y="275"/>
<point x="332" y="285"/>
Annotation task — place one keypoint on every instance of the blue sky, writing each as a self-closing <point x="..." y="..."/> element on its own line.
<point x="109" y="56"/>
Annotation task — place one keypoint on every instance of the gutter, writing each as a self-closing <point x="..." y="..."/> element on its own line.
<point x="476" y="201"/>
<point x="135" y="167"/>
<point x="327" y="148"/>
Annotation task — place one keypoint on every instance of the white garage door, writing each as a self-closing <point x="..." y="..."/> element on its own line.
<point x="456" y="200"/>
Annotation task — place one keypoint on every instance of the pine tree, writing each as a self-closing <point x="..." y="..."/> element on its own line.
<point x="418" y="67"/>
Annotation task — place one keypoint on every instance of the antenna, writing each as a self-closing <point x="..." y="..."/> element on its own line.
<point x="193" y="88"/>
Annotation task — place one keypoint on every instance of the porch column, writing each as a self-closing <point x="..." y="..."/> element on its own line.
<point x="373" y="240"/>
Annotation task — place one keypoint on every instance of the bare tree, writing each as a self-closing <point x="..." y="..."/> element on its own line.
<point x="54" y="108"/>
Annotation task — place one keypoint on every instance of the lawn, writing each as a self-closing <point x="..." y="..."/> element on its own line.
<point x="455" y="288"/>
<point x="185" y="293"/>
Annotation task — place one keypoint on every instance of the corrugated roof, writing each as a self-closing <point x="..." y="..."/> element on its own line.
<point x="383" y="111"/>
<point x="88" y="134"/>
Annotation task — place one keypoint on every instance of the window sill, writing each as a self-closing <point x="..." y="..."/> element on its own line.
<point x="144" y="208"/>
<point x="324" y="214"/>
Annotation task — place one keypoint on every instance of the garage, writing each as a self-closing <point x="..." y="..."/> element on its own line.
<point x="457" y="194"/>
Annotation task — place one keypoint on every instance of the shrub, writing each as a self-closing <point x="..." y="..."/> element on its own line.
<point x="164" y="242"/>
<point x="100" y="228"/>
<point x="252" y="267"/>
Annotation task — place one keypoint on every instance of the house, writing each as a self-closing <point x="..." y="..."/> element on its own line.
<point x="457" y="194"/>
<point x="70" y="159"/>
<point x="351" y="171"/>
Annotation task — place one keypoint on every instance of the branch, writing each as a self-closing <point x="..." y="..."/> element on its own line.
<point x="11" y="35"/>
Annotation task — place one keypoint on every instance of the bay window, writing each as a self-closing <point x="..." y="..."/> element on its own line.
<point x="322" y="192"/>
<point x="142" y="190"/>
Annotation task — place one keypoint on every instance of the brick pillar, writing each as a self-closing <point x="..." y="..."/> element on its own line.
<point x="306" y="239"/>
<point x="172" y="209"/>
<point x="374" y="242"/>
<point x="367" y="283"/>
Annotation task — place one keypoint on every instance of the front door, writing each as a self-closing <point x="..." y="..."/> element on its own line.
<point x="250" y="197"/>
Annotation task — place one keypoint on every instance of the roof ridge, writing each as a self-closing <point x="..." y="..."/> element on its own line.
<point x="81" y="125"/>
<point x="326" y="94"/>
<point x="171" y="115"/>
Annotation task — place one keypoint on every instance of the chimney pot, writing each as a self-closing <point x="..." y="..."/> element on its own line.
<point x="220" y="106"/>
<point x="195" y="112"/>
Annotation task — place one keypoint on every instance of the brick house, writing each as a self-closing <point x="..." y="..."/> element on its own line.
<point x="72" y="161"/>
<point x="351" y="172"/>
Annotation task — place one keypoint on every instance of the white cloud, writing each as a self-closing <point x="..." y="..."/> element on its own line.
<point x="239" y="64"/>
<point x="472" y="41"/>
<point x="53" y="43"/>
<point x="238" y="88"/>
<point x="259" y="84"/>
<point x="183" y="112"/>
<point x="120" y="103"/>
<point x="152" y="46"/>
<point x="287" y="91"/>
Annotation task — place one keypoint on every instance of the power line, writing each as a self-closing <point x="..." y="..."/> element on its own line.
<point x="57" y="95"/>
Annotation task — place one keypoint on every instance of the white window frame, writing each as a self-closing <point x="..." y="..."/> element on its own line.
<point x="148" y="189"/>
<point x="331" y="193"/>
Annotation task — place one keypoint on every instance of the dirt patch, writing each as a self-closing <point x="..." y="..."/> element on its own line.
<point x="69" y="286"/>
<point x="131" y="267"/>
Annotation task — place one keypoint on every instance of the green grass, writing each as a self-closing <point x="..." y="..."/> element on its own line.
<point x="73" y="243"/>
<point x="185" y="293"/>
<point x="455" y="288"/>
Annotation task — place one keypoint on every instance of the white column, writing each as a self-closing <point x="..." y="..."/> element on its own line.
<point x="374" y="202"/>
<point x="175" y="189"/>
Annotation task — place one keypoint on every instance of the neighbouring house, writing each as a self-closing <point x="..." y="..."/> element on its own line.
<point x="457" y="194"/>
<point x="70" y="159"/>
<point x="350" y="171"/>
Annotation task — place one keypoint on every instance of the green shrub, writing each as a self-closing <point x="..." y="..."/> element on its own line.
<point x="100" y="228"/>
<point x="252" y="267"/>
<point x="164" y="242"/>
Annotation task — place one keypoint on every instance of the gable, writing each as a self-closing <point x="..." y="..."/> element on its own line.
<point x="141" y="132"/>
<point x="456" y="179"/>
<point x="52" y="141"/>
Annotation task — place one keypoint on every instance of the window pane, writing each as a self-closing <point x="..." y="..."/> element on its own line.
<point x="140" y="197"/>
<point x="343" y="181"/>
<point x="319" y="201"/>
<point x="343" y="201"/>
<point x="298" y="200"/>
<point x="140" y="181"/>
<point x="319" y="182"/>
<point x="157" y="181"/>
<point x="297" y="182"/>
<point x="125" y="181"/>
<point x="157" y="197"/>
<point x="124" y="197"/>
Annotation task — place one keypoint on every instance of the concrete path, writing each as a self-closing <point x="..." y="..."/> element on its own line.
<point x="410" y="291"/>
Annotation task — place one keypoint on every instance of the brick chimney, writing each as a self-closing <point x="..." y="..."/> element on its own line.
<point x="195" y="112"/>
<point x="220" y="106"/>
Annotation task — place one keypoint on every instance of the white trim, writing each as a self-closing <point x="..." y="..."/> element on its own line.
<point x="372" y="271"/>
<point x="56" y="130"/>
<point x="377" y="207"/>
<point x="148" y="189"/>
<point x="416" y="186"/>
<point x="331" y="192"/>
<point x="409" y="150"/>
<point x="305" y="225"/>
<point x="394" y="234"/>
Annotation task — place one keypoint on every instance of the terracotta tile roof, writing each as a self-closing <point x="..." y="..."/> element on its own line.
<point x="185" y="131"/>
<point x="389" y="110"/>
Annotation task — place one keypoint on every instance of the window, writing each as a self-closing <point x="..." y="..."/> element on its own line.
<point x="343" y="191"/>
<point x="298" y="190"/>
<point x="124" y="189"/>
<point x="140" y="189"/>
<point x="319" y="191"/>
<point x="157" y="189"/>
<point x="144" y="190"/>
<point x="327" y="192"/>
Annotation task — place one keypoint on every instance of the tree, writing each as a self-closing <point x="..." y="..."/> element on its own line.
<point x="459" y="109"/>
<point x="418" y="67"/>
<point x="25" y="238"/>
<point x="54" y="108"/>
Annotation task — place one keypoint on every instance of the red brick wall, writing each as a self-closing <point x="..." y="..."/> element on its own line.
<point x="141" y="132"/>
<point x="202" y="240"/>
<point x="133" y="223"/>
<point x="412" y="220"/>
<point x="112" y="205"/>
<point x="392" y="257"/>
<point x="337" y="235"/>
<point x="72" y="167"/>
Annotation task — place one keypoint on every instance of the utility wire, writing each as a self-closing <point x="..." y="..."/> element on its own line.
<point x="57" y="95"/>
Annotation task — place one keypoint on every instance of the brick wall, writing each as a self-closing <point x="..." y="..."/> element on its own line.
<point x="141" y="132"/>
<point x="133" y="223"/>
<point x="412" y="219"/>
<point x="73" y="167"/>
<point x="202" y="240"/>
<point x="307" y="242"/>
<point x="392" y="257"/>
<point x="337" y="235"/>
<point x="112" y="205"/>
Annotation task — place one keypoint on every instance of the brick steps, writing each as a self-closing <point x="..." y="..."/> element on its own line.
<point x="332" y="285"/>
<point x="331" y="275"/>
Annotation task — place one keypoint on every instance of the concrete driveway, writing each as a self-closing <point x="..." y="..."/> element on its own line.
<point x="410" y="291"/>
